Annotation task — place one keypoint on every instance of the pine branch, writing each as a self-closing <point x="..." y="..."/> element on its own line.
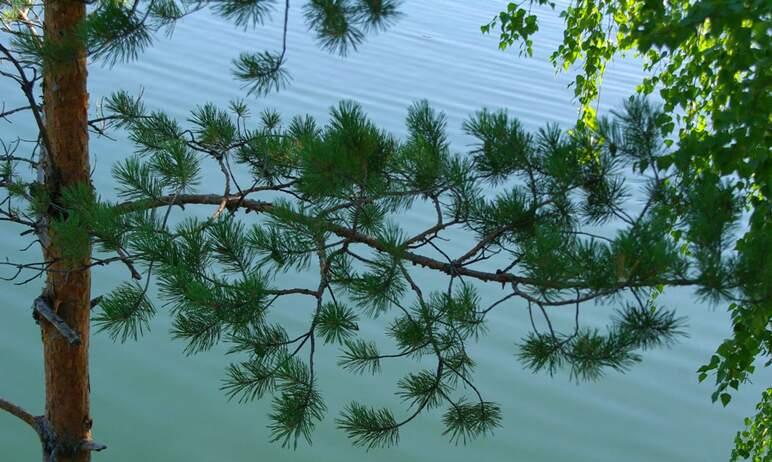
<point x="341" y="188"/>
<point x="416" y="259"/>
<point x="196" y="199"/>
<point x="20" y="413"/>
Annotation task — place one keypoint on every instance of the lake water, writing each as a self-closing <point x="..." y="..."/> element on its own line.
<point x="151" y="402"/>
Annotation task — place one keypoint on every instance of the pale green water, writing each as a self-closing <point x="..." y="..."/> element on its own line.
<point x="150" y="402"/>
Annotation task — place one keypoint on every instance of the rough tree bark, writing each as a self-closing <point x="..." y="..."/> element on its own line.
<point x="68" y="285"/>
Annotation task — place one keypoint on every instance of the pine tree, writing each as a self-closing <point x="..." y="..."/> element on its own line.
<point x="328" y="199"/>
<point x="45" y="49"/>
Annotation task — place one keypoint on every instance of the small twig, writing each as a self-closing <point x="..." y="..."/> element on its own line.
<point x="95" y="301"/>
<point x="42" y="427"/>
<point x="42" y="307"/>
<point x="5" y="113"/>
<point x="89" y="445"/>
<point x="19" y="412"/>
<point x="27" y="87"/>
<point x="226" y="194"/>
<point x="129" y="264"/>
<point x="497" y="303"/>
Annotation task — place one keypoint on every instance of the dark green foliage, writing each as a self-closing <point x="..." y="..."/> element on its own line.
<point x="214" y="128"/>
<point x="605" y="192"/>
<point x="136" y="180"/>
<point x="125" y="313"/>
<point x="546" y="254"/>
<point x="200" y="329"/>
<point x="205" y="307"/>
<point x="512" y="208"/>
<point x="426" y="152"/>
<point x="352" y="152"/>
<point x="164" y="13"/>
<point x="246" y="13"/>
<point x="261" y="341"/>
<point x="595" y="264"/>
<point x="360" y="356"/>
<point x="649" y="327"/>
<point x="262" y="73"/>
<point x="714" y="209"/>
<point x="230" y="249"/>
<point x="71" y="230"/>
<point x="467" y="421"/>
<point x="504" y="145"/>
<point x="335" y="24"/>
<point x="591" y="353"/>
<point x="376" y="14"/>
<point x="410" y="335"/>
<point x="124" y="107"/>
<point x="422" y="389"/>
<point x="641" y="253"/>
<point x="542" y="351"/>
<point x="266" y="346"/>
<point x="462" y="309"/>
<point x="116" y="33"/>
<point x="376" y="289"/>
<point x="636" y="137"/>
<point x="154" y="132"/>
<point x="369" y="428"/>
<point x="286" y="249"/>
<point x="249" y="380"/>
<point x="336" y="322"/>
<point x="177" y="167"/>
<point x="587" y="352"/>
<point x="298" y="406"/>
<point x="86" y="214"/>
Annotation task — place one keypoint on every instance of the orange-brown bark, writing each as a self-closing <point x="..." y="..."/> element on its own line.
<point x="68" y="287"/>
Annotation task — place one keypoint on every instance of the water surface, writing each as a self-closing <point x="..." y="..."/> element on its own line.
<point x="150" y="402"/>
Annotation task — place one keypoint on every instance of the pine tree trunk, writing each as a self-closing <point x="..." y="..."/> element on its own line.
<point x="68" y="287"/>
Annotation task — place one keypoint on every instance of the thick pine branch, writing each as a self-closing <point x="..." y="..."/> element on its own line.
<point x="456" y="268"/>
